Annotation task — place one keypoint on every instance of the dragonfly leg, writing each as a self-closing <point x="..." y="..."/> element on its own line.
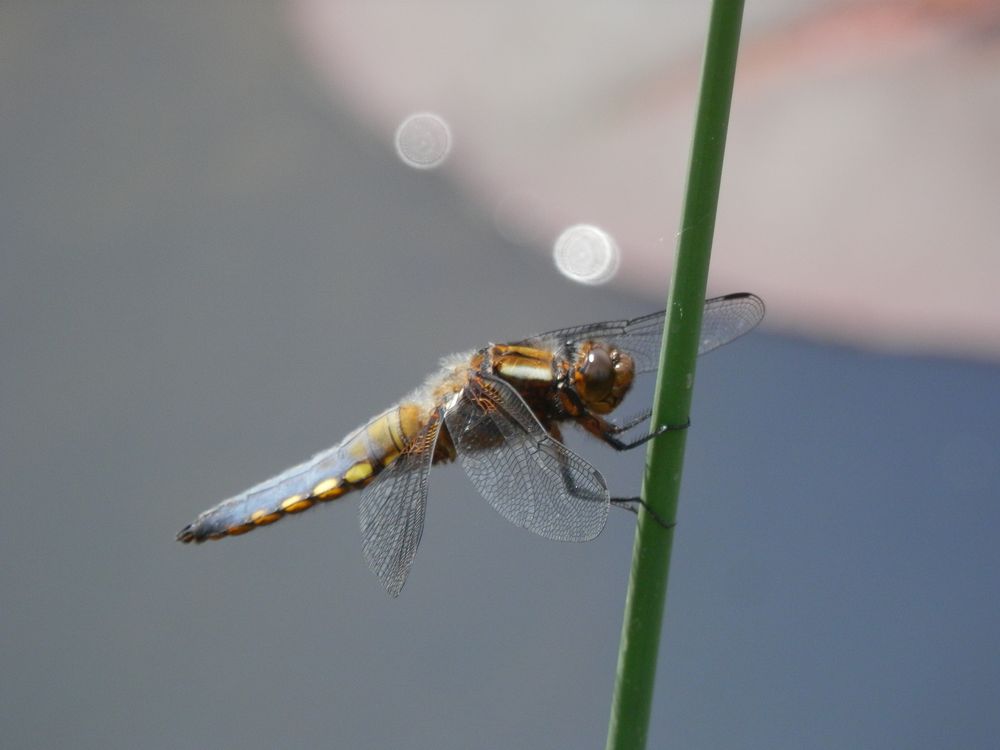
<point x="616" y="429"/>
<point x="567" y="476"/>
<point x="608" y="436"/>
<point x="569" y="482"/>
<point x="631" y="503"/>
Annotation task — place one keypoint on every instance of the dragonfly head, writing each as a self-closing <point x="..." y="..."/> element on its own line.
<point x="601" y="376"/>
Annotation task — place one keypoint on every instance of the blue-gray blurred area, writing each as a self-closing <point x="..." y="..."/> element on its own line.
<point x="209" y="273"/>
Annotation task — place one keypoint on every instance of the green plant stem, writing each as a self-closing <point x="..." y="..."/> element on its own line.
<point x="637" y="656"/>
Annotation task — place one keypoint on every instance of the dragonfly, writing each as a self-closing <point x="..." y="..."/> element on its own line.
<point x="499" y="411"/>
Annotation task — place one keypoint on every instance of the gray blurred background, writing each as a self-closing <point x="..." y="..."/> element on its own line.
<point x="210" y="270"/>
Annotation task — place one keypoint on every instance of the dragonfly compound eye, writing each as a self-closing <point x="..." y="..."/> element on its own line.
<point x="597" y="375"/>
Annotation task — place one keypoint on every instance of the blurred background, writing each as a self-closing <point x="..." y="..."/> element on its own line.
<point x="225" y="242"/>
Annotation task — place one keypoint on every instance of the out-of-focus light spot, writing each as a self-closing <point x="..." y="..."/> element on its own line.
<point x="423" y="140"/>
<point x="586" y="254"/>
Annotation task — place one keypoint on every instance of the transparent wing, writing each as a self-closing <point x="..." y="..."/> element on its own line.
<point x="531" y="479"/>
<point x="725" y="319"/>
<point x="392" y="511"/>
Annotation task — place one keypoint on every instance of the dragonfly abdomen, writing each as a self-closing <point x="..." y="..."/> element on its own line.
<point x="351" y="465"/>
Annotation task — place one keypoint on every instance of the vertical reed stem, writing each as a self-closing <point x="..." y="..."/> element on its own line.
<point x="637" y="656"/>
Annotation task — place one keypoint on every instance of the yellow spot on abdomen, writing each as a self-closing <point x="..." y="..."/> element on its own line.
<point x="263" y="518"/>
<point x="359" y="472"/>
<point x="237" y="530"/>
<point x="295" y="504"/>
<point x="409" y="422"/>
<point x="328" y="488"/>
<point x="382" y="437"/>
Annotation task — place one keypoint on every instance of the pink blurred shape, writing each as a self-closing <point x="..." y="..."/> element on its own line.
<point x="861" y="195"/>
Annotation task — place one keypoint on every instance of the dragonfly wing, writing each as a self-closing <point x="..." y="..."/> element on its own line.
<point x="725" y="319"/>
<point x="392" y="510"/>
<point x="531" y="479"/>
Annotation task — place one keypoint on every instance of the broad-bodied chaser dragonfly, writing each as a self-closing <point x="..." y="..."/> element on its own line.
<point x="498" y="409"/>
